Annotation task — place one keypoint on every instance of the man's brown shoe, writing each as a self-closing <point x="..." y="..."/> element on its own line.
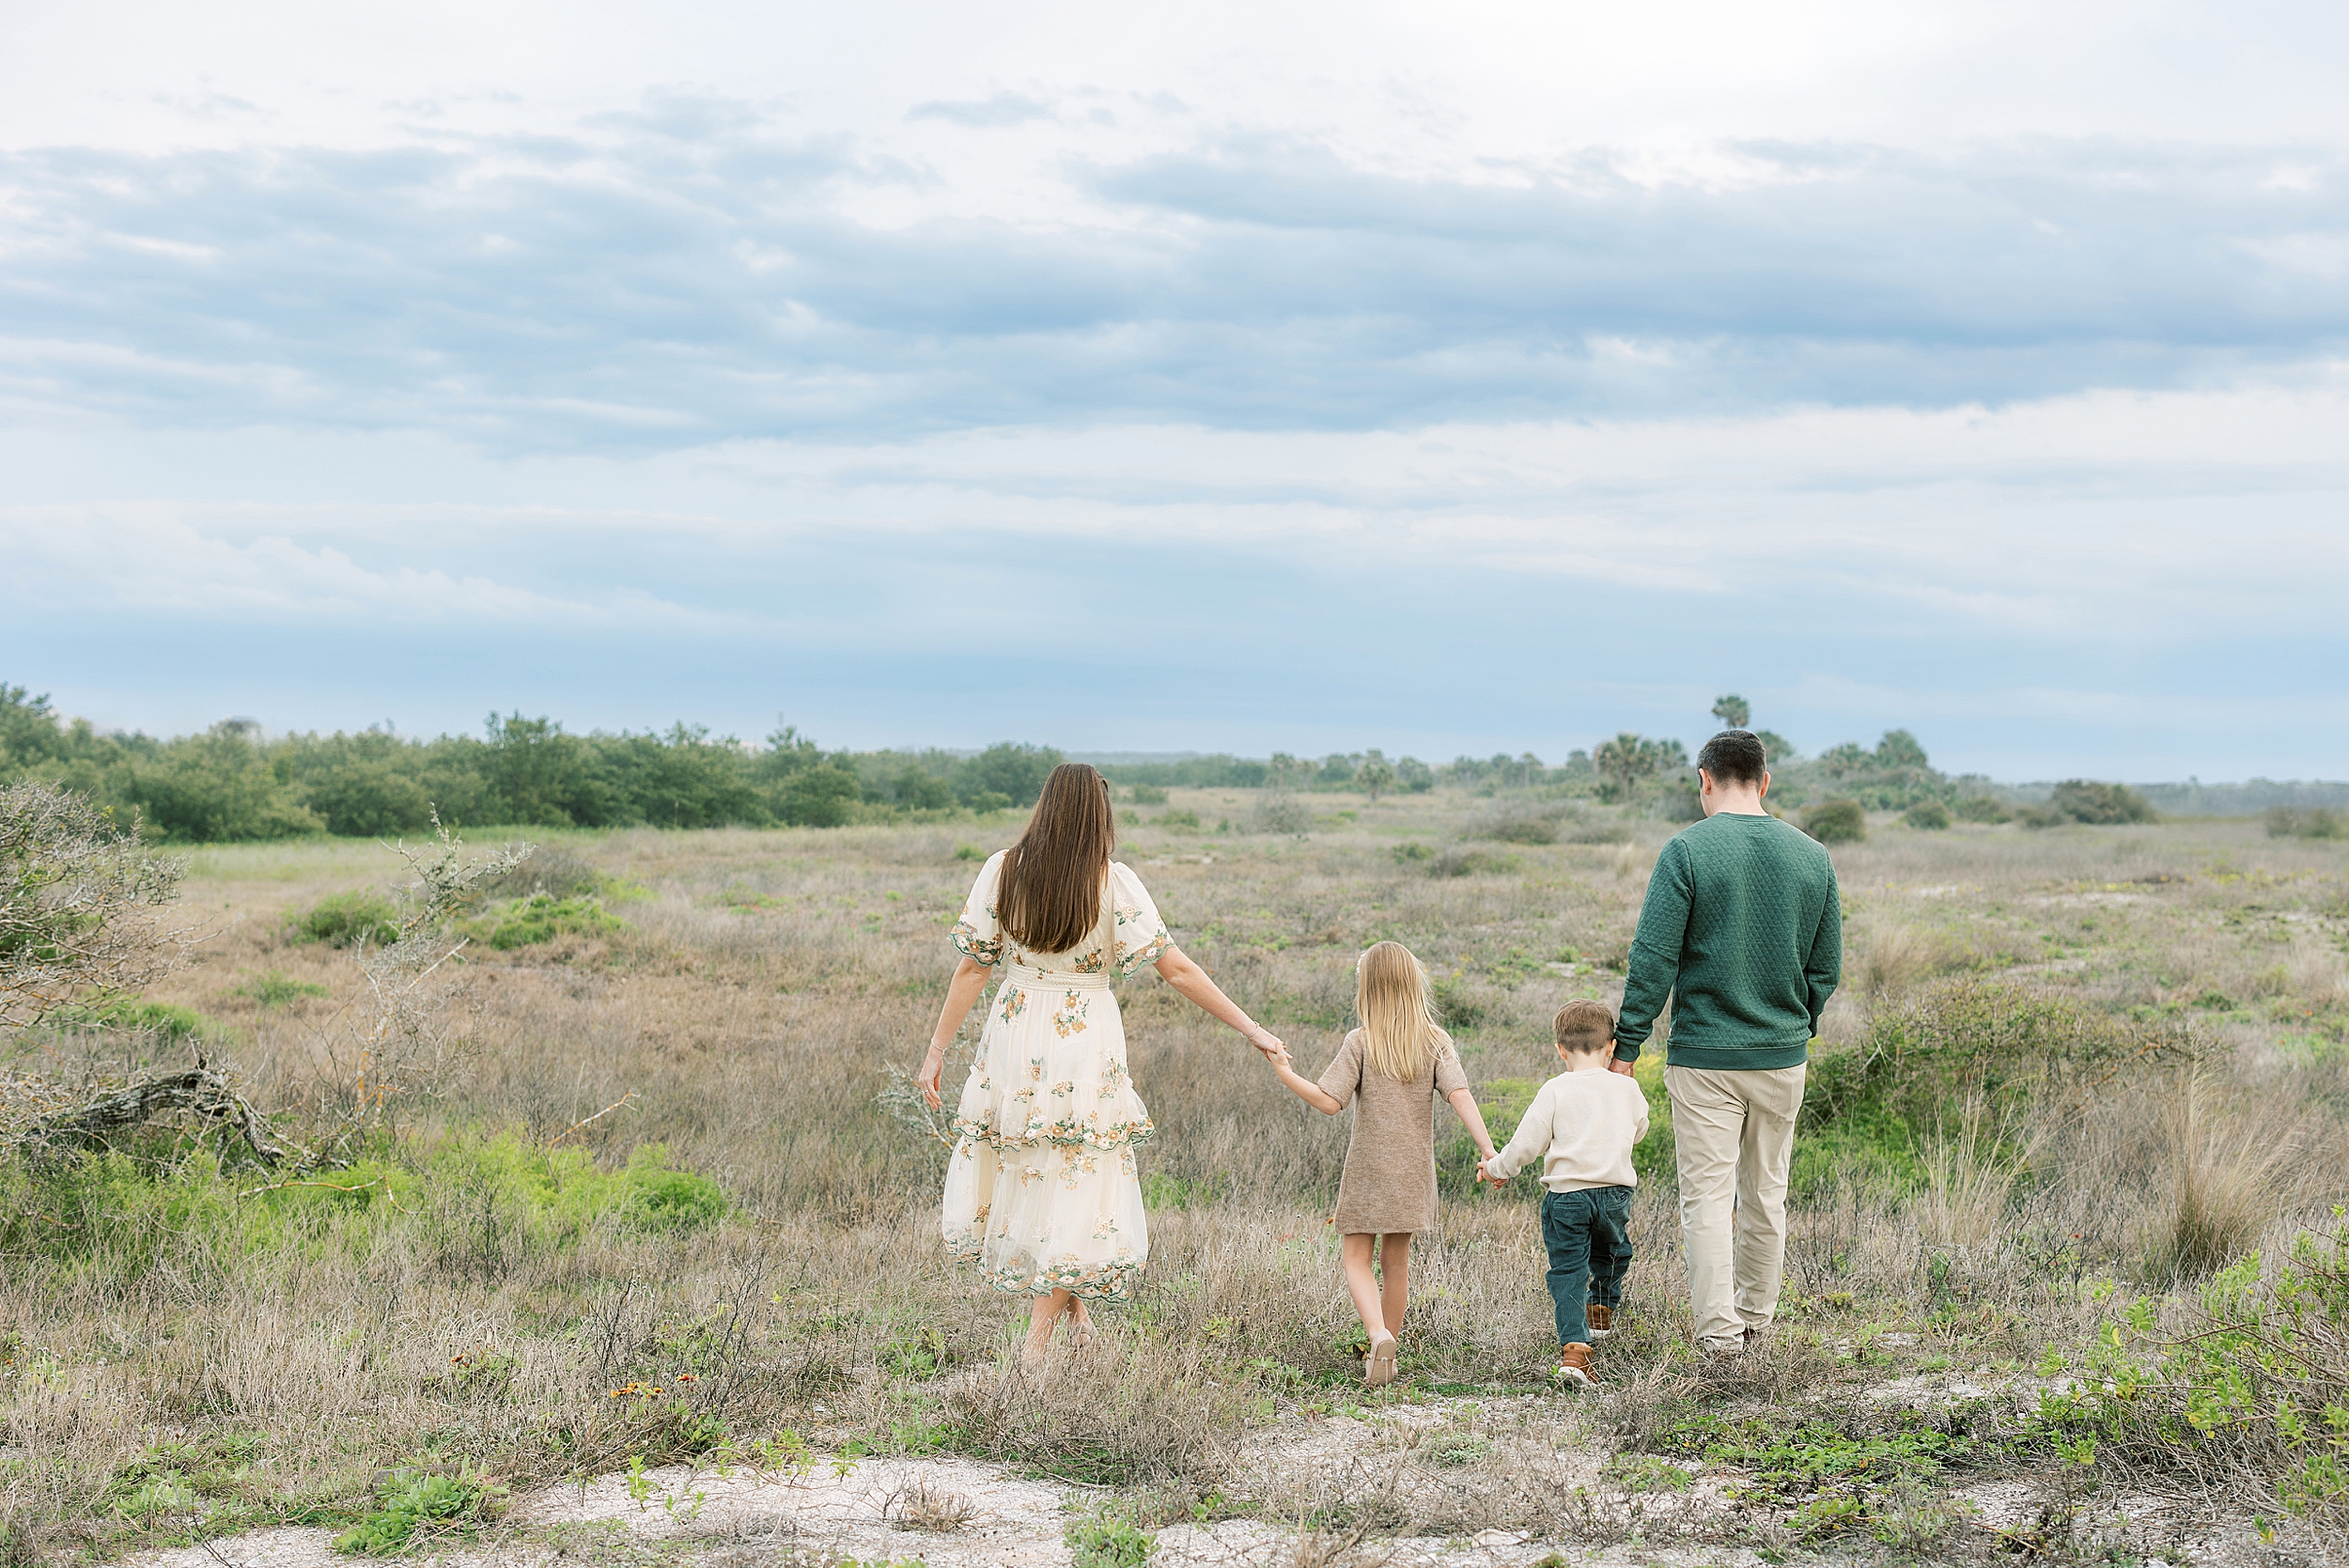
<point x="1601" y="1319"/>
<point x="1574" y="1367"/>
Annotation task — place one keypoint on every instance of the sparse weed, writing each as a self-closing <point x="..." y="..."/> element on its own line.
<point x="419" y="1506"/>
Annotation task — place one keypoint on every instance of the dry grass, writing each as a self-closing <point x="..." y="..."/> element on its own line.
<point x="763" y="980"/>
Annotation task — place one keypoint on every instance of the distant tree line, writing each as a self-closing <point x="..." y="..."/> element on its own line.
<point x="232" y="782"/>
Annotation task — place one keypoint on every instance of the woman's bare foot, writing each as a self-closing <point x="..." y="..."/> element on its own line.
<point x="1080" y="1334"/>
<point x="1043" y="1313"/>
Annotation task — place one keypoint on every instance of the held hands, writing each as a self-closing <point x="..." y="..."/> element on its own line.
<point x="1483" y="1176"/>
<point x="1267" y="1043"/>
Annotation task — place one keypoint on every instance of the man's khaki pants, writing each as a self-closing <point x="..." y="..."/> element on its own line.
<point x="1734" y="1132"/>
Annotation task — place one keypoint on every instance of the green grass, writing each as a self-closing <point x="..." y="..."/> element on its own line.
<point x="124" y="1208"/>
<point x="274" y="989"/>
<point x="540" y="919"/>
<point x="168" y="1023"/>
<point x="1835" y="1474"/>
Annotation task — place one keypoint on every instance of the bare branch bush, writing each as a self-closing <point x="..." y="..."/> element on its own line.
<point x="79" y="902"/>
<point x="402" y="1039"/>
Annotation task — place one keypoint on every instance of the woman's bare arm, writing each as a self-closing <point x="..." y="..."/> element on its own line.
<point x="1186" y="977"/>
<point x="968" y="981"/>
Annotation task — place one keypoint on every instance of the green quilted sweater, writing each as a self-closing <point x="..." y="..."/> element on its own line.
<point x="1743" y="932"/>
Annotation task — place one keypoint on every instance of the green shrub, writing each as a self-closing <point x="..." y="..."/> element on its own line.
<point x="1185" y="820"/>
<point x="1836" y="822"/>
<point x="1280" y="814"/>
<point x="1453" y="1005"/>
<point x="1467" y="863"/>
<point x="1680" y="800"/>
<point x="1930" y="816"/>
<point x="1867" y="1107"/>
<point x="1410" y="854"/>
<point x="1146" y="795"/>
<point x="168" y="1023"/>
<point x="1515" y="827"/>
<point x="1982" y="808"/>
<point x="539" y="919"/>
<point x="2086" y="801"/>
<point x="1106" y="1541"/>
<point x="418" y="1507"/>
<point x="2304" y="822"/>
<point x="121" y="1210"/>
<point x="2261" y="1386"/>
<point x="549" y="870"/>
<point x="274" y="989"/>
<point x="346" y="918"/>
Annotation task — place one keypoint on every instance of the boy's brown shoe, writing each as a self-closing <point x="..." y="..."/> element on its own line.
<point x="1574" y="1367"/>
<point x="1601" y="1319"/>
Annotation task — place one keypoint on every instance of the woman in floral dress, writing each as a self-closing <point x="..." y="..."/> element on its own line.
<point x="1042" y="1193"/>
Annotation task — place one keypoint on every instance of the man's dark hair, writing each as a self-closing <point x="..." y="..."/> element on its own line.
<point x="1734" y="754"/>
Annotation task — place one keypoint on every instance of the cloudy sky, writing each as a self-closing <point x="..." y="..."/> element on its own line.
<point x="1447" y="377"/>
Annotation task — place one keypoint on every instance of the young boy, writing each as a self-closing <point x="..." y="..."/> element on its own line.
<point x="1582" y="1126"/>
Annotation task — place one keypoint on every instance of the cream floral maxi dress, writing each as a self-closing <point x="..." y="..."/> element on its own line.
<point x="1042" y="1193"/>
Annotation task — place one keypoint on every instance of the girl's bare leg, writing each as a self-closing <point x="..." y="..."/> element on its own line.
<point x="1354" y="1257"/>
<point x="1394" y="1267"/>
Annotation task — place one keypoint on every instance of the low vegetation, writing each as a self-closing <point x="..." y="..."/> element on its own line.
<point x="625" y="1194"/>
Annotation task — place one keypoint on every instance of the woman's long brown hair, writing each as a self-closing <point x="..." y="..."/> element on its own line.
<point x="1049" y="898"/>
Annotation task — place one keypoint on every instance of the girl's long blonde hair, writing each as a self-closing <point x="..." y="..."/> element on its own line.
<point x="1400" y="1035"/>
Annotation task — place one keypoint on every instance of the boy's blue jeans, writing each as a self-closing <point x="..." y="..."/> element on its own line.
<point x="1588" y="1233"/>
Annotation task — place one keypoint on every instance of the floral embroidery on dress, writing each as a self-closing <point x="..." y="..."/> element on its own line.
<point x="976" y="945"/>
<point x="1152" y="946"/>
<point x="1067" y="1133"/>
<point x="1070" y="1019"/>
<point x="1015" y="1001"/>
<point x="1109" y="1280"/>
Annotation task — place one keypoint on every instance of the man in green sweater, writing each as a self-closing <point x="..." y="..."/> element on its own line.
<point x="1742" y="932"/>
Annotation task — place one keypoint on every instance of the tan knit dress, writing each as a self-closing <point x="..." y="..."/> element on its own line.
<point x="1389" y="1188"/>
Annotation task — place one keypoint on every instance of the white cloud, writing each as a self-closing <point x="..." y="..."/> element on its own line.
<point x="1408" y="374"/>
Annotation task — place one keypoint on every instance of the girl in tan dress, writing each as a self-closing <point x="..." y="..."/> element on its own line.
<point x="1391" y="1069"/>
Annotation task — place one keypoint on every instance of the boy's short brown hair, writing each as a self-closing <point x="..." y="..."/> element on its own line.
<point x="1583" y="1027"/>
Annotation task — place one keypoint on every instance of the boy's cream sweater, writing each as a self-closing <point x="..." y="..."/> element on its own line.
<point x="1581" y="1125"/>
